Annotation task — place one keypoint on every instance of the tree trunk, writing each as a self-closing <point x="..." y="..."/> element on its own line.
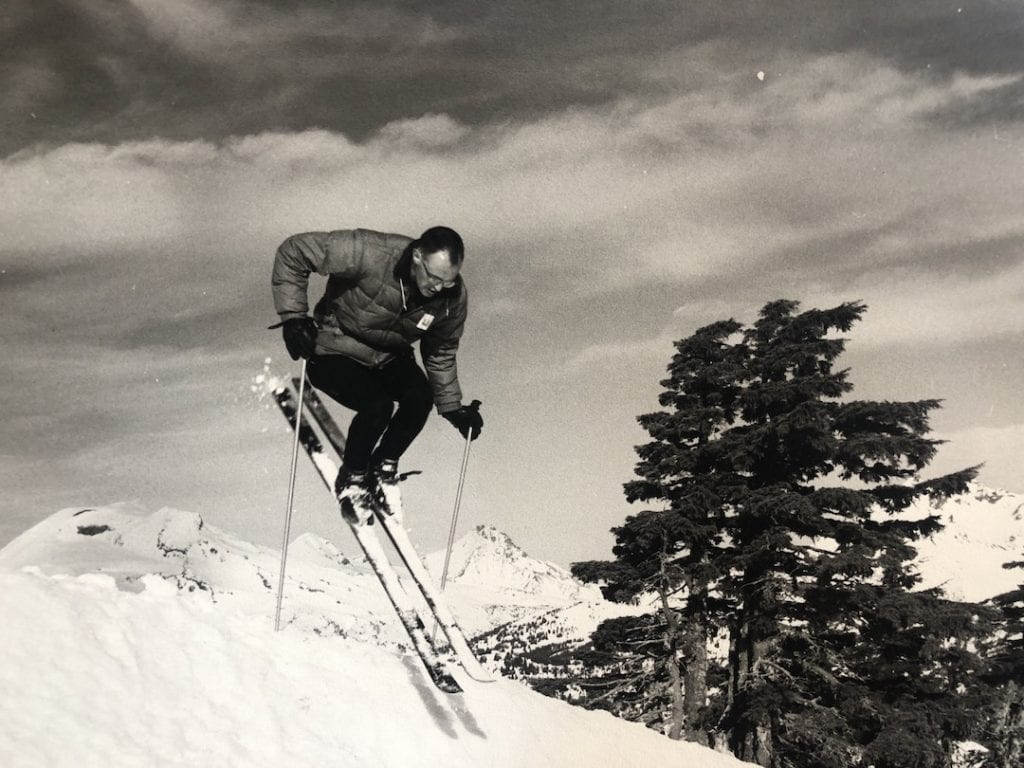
<point x="695" y="681"/>
<point x="753" y="743"/>
<point x="1009" y="725"/>
<point x="675" y="730"/>
<point x="671" y="656"/>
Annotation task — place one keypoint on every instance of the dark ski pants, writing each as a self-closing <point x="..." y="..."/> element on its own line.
<point x="378" y="431"/>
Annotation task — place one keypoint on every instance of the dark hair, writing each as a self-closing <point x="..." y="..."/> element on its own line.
<point x="442" y="239"/>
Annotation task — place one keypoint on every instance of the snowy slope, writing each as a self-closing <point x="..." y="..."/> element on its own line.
<point x="137" y="638"/>
<point x="146" y="639"/>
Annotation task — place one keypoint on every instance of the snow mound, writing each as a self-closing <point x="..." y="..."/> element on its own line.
<point x="146" y="639"/>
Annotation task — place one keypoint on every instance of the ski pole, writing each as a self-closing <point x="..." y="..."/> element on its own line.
<point x="291" y="496"/>
<point x="458" y="500"/>
<point x="455" y="518"/>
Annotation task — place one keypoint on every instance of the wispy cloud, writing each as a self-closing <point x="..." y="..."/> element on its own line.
<point x="238" y="34"/>
<point x="108" y="70"/>
<point x="998" y="448"/>
<point x="591" y="359"/>
<point x="830" y="167"/>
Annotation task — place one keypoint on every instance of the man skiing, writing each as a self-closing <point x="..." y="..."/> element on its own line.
<point x="384" y="292"/>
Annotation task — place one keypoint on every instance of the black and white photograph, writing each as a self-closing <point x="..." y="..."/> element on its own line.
<point x="557" y="384"/>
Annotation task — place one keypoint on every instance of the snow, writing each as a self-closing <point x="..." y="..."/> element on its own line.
<point x="141" y="638"/>
<point x="137" y="638"/>
<point x="984" y="529"/>
<point x="493" y="581"/>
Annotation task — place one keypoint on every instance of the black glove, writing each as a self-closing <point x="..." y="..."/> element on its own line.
<point x="299" y="336"/>
<point x="466" y="419"/>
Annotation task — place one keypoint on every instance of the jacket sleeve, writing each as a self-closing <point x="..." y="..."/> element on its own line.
<point x="326" y="253"/>
<point x="438" y="349"/>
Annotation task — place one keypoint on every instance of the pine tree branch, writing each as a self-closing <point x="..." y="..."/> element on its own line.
<point x="619" y="687"/>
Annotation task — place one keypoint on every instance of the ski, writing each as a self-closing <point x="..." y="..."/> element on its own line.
<point x="414" y="564"/>
<point x="370" y="544"/>
<point x="321" y="415"/>
<point x="391" y="521"/>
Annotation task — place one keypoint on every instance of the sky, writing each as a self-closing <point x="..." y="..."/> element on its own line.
<point x="622" y="174"/>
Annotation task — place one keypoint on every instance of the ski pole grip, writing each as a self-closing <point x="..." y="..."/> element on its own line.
<point x="475" y="405"/>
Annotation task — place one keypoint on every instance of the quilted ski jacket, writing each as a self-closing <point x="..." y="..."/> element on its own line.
<point x="371" y="310"/>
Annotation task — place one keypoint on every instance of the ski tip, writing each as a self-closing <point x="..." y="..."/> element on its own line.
<point x="481" y="676"/>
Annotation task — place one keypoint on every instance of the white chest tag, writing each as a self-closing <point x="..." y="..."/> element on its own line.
<point x="425" y="321"/>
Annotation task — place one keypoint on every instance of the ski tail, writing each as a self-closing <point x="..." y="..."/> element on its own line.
<point x="404" y="608"/>
<point x="452" y="631"/>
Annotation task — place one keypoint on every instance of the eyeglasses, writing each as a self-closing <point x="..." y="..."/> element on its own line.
<point x="436" y="279"/>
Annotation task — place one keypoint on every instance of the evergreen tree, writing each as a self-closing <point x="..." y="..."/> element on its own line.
<point x="800" y="535"/>
<point x="668" y="551"/>
<point x="1004" y="722"/>
<point x="778" y="514"/>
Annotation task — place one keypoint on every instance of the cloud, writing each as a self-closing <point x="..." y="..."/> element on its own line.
<point x="29" y="84"/>
<point x="200" y="29"/>
<point x="431" y="132"/>
<point x="829" y="177"/>
<point x="999" y="448"/>
<point x="238" y="35"/>
<point x="617" y="355"/>
<point x="203" y="69"/>
<point x="942" y="309"/>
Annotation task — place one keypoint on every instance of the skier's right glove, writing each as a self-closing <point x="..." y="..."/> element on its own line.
<point x="299" y="336"/>
<point x="466" y="419"/>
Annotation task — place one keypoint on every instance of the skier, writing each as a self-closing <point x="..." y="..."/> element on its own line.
<point x="384" y="292"/>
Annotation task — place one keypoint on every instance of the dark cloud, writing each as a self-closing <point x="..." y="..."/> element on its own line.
<point x="110" y="70"/>
<point x="980" y="36"/>
<point x="839" y="260"/>
<point x="996" y="107"/>
<point x="978" y="259"/>
<point x="17" y="276"/>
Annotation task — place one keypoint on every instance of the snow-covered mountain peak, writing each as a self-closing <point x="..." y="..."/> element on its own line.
<point x="984" y="528"/>
<point x="488" y="561"/>
<point x="491" y="535"/>
<point x="486" y="547"/>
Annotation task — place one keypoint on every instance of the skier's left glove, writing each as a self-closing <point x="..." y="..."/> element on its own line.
<point x="466" y="419"/>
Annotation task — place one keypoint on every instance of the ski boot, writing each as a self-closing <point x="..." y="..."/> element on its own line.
<point x="385" y="477"/>
<point x="356" y="496"/>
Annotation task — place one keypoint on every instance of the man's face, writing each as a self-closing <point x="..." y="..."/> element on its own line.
<point x="433" y="271"/>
